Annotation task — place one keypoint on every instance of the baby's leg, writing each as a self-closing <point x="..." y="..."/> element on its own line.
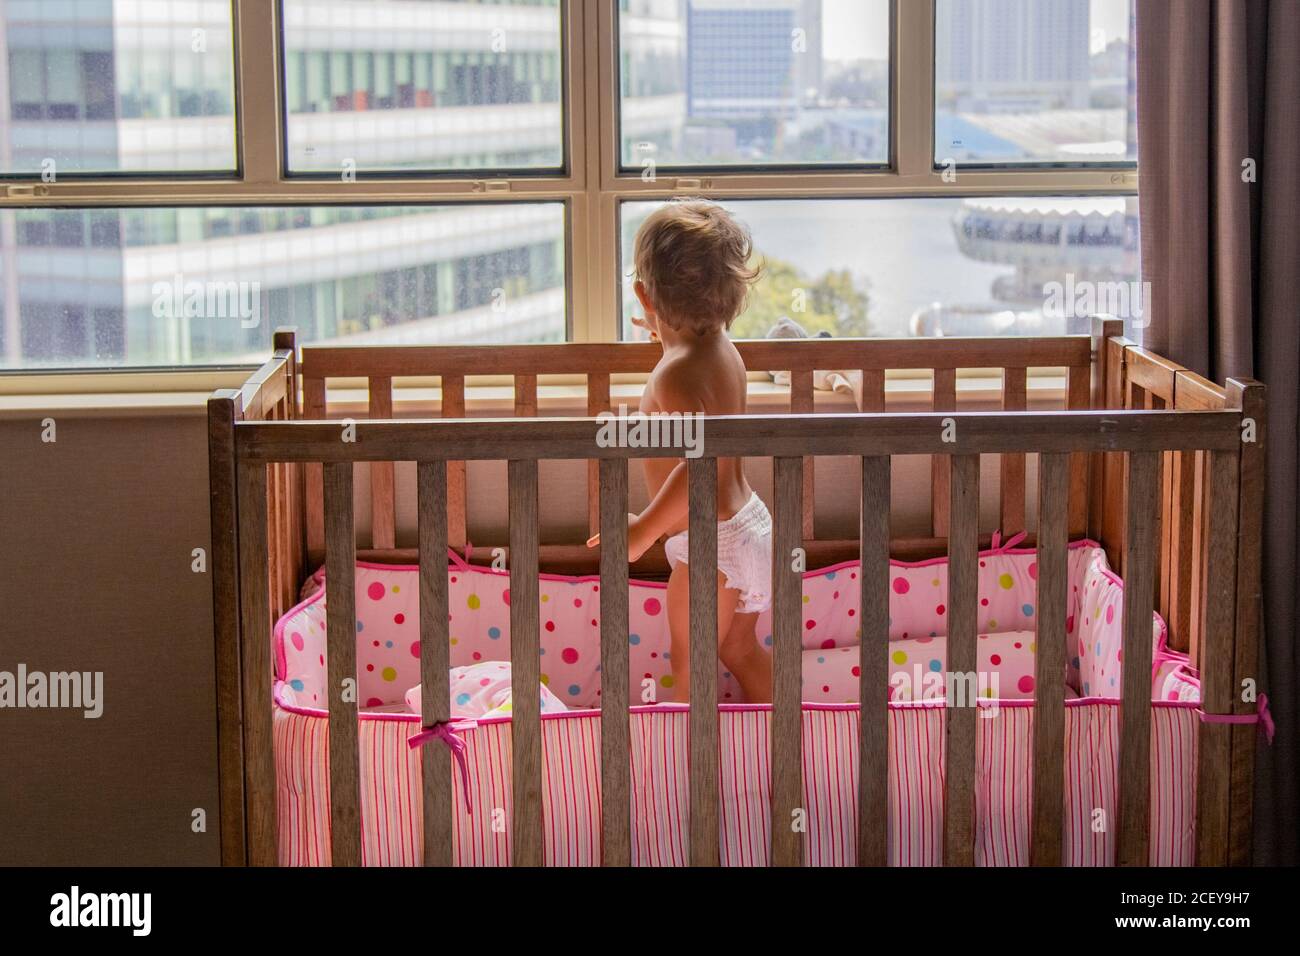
<point x="751" y="665"/>
<point x="679" y="626"/>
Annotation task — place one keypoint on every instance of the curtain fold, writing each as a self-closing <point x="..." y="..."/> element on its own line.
<point x="1218" y="90"/>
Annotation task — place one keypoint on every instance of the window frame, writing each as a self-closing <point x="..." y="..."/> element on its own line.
<point x="592" y="185"/>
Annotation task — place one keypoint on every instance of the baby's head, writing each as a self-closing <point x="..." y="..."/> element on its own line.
<point x="692" y="266"/>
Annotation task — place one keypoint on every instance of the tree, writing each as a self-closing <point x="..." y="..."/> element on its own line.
<point x="834" y="303"/>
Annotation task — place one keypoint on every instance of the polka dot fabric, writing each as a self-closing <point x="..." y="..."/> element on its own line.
<point x="388" y="635"/>
<point x="1004" y="663"/>
<point x="388" y="630"/>
<point x="1095" y="631"/>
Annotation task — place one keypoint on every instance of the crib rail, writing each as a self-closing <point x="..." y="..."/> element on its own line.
<point x="596" y="363"/>
<point x="1139" y="438"/>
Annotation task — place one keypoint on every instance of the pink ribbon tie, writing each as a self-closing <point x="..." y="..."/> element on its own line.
<point x="999" y="548"/>
<point x="1262" y="716"/>
<point x="461" y="563"/>
<point x="449" y="731"/>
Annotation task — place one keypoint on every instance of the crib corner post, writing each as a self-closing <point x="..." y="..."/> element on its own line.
<point x="225" y="407"/>
<point x="285" y="339"/>
<point x="1247" y="396"/>
<point x="255" y="663"/>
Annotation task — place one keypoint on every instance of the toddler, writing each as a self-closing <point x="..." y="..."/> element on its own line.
<point x="692" y="276"/>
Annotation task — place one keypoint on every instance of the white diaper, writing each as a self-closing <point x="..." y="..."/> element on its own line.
<point x="744" y="554"/>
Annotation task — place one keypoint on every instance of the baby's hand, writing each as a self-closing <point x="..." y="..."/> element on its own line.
<point x="649" y="325"/>
<point x="636" y="545"/>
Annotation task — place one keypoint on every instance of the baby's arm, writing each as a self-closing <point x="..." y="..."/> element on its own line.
<point x="668" y="509"/>
<point x="664" y="513"/>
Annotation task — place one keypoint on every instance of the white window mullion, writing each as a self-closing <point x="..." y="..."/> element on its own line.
<point x="257" y="90"/>
<point x="912" y="74"/>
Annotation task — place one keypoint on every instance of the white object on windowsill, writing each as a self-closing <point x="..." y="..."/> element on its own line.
<point x="845" y="381"/>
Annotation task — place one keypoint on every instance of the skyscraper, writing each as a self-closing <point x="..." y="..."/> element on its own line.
<point x="1011" y="55"/>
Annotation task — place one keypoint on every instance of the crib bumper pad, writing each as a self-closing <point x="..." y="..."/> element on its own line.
<point x="388" y="648"/>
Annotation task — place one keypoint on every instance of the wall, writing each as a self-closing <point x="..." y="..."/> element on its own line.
<point x="96" y="531"/>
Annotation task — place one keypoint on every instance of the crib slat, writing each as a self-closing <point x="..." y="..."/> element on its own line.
<point x="313" y="408"/>
<point x="274" y="523"/>
<point x="1012" y="479"/>
<point x="1218" y="685"/>
<point x="873" y="663"/>
<point x="787" y="659"/>
<point x="871" y="394"/>
<point x="597" y="402"/>
<point x="382" y="520"/>
<point x="702" y="541"/>
<point x="1200" y="556"/>
<point x="1113" y="463"/>
<point x="1135" y="706"/>
<point x="1047" y="799"/>
<point x="801" y="403"/>
<point x="615" y="765"/>
<point x="525" y="395"/>
<point x="960" y="716"/>
<point x="1079" y="382"/>
<point x="945" y="400"/>
<point x="525" y="665"/>
<point x="435" y="659"/>
<point x="453" y="406"/>
<point x="256" y="668"/>
<point x="1102" y="330"/>
<point x="341" y="667"/>
<point x="1182" y="512"/>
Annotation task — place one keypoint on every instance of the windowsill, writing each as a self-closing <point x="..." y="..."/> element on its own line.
<point x="902" y="394"/>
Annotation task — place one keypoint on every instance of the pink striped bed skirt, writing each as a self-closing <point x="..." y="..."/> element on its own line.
<point x="391" y="809"/>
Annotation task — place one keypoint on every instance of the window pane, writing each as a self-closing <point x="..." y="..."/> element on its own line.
<point x="435" y="85"/>
<point x="1034" y="81"/>
<point x="104" y="87"/>
<point x="179" y="286"/>
<point x="902" y="267"/>
<point x="752" y="82"/>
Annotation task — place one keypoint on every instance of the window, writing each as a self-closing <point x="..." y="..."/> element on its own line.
<point x="738" y="82"/>
<point x="103" y="87"/>
<point x="901" y="267"/>
<point x="432" y="85"/>
<point x="184" y="286"/>
<point x="1034" y="81"/>
<point x="474" y="170"/>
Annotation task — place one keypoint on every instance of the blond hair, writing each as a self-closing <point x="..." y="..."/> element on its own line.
<point x="693" y="259"/>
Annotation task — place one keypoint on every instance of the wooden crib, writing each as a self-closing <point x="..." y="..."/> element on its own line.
<point x="1162" y="467"/>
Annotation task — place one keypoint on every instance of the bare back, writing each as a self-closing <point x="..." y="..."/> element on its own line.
<point x="707" y="375"/>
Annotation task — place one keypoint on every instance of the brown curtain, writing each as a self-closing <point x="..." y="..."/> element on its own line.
<point x="1218" y="89"/>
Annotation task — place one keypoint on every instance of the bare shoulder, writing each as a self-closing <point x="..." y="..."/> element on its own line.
<point x="676" y="386"/>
